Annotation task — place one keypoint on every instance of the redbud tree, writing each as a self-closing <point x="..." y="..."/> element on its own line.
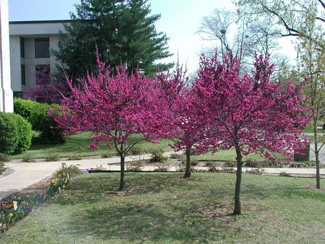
<point x="113" y="108"/>
<point x="50" y="88"/>
<point x="186" y="114"/>
<point x="251" y="113"/>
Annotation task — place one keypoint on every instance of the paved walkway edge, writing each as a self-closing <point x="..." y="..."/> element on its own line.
<point x="26" y="174"/>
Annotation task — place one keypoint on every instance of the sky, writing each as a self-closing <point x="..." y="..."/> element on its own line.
<point x="180" y="21"/>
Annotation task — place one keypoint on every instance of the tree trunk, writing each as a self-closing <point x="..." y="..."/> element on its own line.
<point x="122" y="172"/>
<point x="316" y="153"/>
<point x="237" y="209"/>
<point x="188" y="164"/>
<point x="317" y="166"/>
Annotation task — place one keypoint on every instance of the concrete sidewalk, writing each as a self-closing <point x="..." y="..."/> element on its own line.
<point x="26" y="174"/>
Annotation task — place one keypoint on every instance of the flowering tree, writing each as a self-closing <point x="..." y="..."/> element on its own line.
<point x="113" y="108"/>
<point x="251" y="114"/>
<point x="50" y="89"/>
<point x="186" y="114"/>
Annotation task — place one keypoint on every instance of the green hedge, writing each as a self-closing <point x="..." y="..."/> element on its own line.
<point x="15" y="134"/>
<point x="37" y="114"/>
<point x="24" y="107"/>
<point x="42" y="122"/>
<point x="25" y="134"/>
<point x="8" y="133"/>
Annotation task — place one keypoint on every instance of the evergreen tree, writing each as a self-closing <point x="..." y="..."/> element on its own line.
<point x="123" y="31"/>
<point x="143" y="44"/>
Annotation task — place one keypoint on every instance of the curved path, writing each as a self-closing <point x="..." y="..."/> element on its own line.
<point x="27" y="174"/>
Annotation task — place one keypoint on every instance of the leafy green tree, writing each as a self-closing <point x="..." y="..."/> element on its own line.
<point x="311" y="65"/>
<point x="305" y="20"/>
<point x="123" y="31"/>
<point x="294" y="17"/>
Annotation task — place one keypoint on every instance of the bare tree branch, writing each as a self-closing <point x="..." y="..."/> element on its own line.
<point x="292" y="31"/>
<point x="281" y="19"/>
<point x="322" y="3"/>
<point x="321" y="19"/>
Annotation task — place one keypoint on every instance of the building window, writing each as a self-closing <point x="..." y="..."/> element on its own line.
<point x="23" y="76"/>
<point x="22" y="47"/>
<point x="42" y="74"/>
<point x="42" y="48"/>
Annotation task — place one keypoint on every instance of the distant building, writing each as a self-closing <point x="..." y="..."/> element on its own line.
<point x="30" y="45"/>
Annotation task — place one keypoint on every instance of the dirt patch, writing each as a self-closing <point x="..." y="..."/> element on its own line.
<point x="223" y="209"/>
<point x="214" y="210"/>
<point x="38" y="187"/>
<point x="313" y="187"/>
<point x="118" y="193"/>
<point x="180" y="178"/>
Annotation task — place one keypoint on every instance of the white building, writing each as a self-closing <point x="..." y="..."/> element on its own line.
<point x="6" y="96"/>
<point x="30" y="46"/>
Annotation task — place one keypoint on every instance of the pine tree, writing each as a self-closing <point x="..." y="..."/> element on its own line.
<point x="123" y="31"/>
<point x="143" y="44"/>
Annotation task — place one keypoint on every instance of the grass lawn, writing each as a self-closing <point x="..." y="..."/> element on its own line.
<point x="78" y="145"/>
<point x="230" y="155"/>
<point x="164" y="208"/>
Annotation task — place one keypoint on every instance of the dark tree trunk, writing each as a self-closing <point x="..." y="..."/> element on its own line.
<point x="237" y="209"/>
<point x="188" y="164"/>
<point x="317" y="166"/>
<point x="122" y="172"/>
<point x="316" y="153"/>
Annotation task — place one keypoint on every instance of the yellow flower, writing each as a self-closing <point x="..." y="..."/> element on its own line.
<point x="11" y="214"/>
<point x="63" y="186"/>
<point x="18" y="198"/>
<point x="49" y="183"/>
<point x="59" y="175"/>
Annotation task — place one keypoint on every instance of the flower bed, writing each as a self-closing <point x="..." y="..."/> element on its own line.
<point x="13" y="211"/>
<point x="16" y="207"/>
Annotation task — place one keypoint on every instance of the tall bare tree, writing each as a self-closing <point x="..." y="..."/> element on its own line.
<point x="303" y="19"/>
<point x="238" y="34"/>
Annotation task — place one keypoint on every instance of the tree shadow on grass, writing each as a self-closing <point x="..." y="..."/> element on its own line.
<point x="155" y="208"/>
<point x="281" y="190"/>
<point x="137" y="224"/>
<point x="199" y="212"/>
<point x="90" y="188"/>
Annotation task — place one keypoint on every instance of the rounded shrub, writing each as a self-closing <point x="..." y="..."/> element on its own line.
<point x="25" y="135"/>
<point x="43" y="122"/>
<point x="24" y="107"/>
<point x="8" y="133"/>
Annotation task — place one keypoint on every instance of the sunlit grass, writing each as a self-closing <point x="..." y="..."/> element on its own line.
<point x="78" y="145"/>
<point x="165" y="208"/>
